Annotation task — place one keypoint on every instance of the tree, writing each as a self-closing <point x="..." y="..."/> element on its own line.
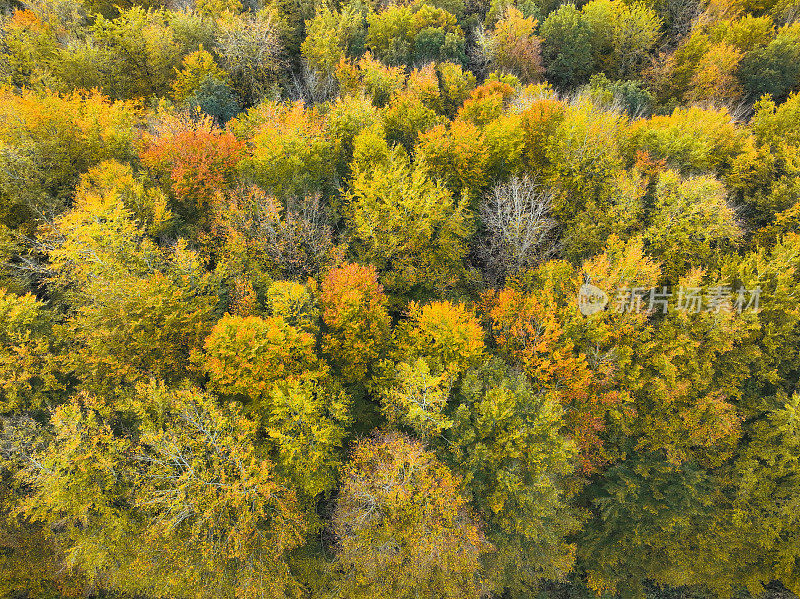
<point x="377" y="80"/>
<point x="216" y="98"/>
<point x="347" y="118"/>
<point x="455" y="84"/>
<point x="529" y="334"/>
<point x="296" y="304"/>
<point x="513" y="46"/>
<point x="403" y="525"/>
<point x="406" y="117"/>
<point x="194" y="164"/>
<point x="237" y="533"/>
<point x="695" y="140"/>
<point x="506" y="442"/>
<point x="435" y="346"/>
<point x="771" y="123"/>
<point x="245" y="355"/>
<point x="683" y="395"/>
<point x="602" y="16"/>
<point x="186" y="503"/>
<point x="636" y="32"/>
<point x="632" y="96"/>
<point x="305" y="421"/>
<point x="446" y="335"/>
<point x="203" y="84"/>
<point x="766" y="474"/>
<point x="71" y="474"/>
<point x="774" y="69"/>
<point x="457" y="155"/>
<point x="519" y="227"/>
<point x="106" y="265"/>
<point x="30" y="377"/>
<point x="260" y="240"/>
<point x="584" y="156"/>
<point x="417" y="398"/>
<point x="215" y="9"/>
<point x="331" y="36"/>
<point x="409" y="227"/>
<point x="567" y="48"/>
<point x="289" y="152"/>
<point x="539" y="119"/>
<point x="579" y="359"/>
<point x="139" y="53"/>
<point x="145" y="203"/>
<point x="49" y="140"/>
<point x="763" y="178"/>
<point x="692" y="224"/>
<point x="715" y="78"/>
<point x="486" y="103"/>
<point x="767" y="345"/>
<point x="415" y="34"/>
<point x="745" y="33"/>
<point x="29" y="45"/>
<point x="250" y="51"/>
<point x="354" y="310"/>
<point x="620" y="211"/>
<point x="648" y="522"/>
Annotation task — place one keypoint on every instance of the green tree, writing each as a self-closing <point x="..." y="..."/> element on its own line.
<point x="296" y="304"/>
<point x="648" y="518"/>
<point x="506" y="442"/>
<point x="636" y="33"/>
<point x="764" y="521"/>
<point x="415" y="33"/>
<point x="289" y="154"/>
<point x="105" y="265"/>
<point x="694" y="139"/>
<point x="250" y="50"/>
<point x="567" y="46"/>
<point x="305" y="421"/>
<point x="331" y="37"/>
<point x="139" y="53"/>
<point x="773" y="69"/>
<point x="184" y="504"/>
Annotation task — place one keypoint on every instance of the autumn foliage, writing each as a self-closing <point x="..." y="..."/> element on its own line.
<point x="420" y="299"/>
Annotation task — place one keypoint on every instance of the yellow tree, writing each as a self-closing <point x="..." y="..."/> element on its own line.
<point x="30" y="344"/>
<point x="435" y="346"/>
<point x="404" y="527"/>
<point x="409" y="227"/>
<point x="105" y="265"/>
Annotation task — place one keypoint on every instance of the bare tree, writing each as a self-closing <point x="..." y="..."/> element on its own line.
<point x="313" y="86"/>
<point x="519" y="228"/>
<point x="297" y="237"/>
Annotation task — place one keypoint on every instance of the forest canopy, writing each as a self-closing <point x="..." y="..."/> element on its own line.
<point x="402" y="299"/>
